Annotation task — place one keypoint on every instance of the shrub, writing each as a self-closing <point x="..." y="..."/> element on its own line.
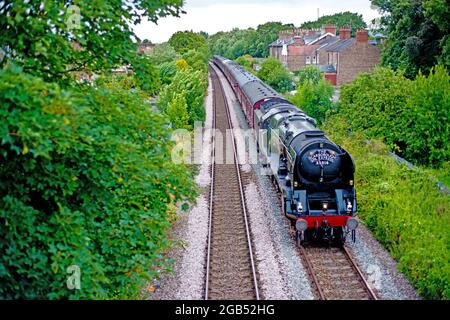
<point x="192" y="84"/>
<point x="310" y="74"/>
<point x="403" y="208"/>
<point x="411" y="116"/>
<point x="275" y="75"/>
<point x="85" y="179"/>
<point x="314" y="99"/>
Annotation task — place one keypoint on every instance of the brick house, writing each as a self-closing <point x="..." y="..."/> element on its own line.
<point x="298" y="48"/>
<point x="351" y="56"/>
<point x="340" y="58"/>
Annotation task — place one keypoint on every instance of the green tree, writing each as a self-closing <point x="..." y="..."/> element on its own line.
<point x="86" y="177"/>
<point x="246" y="61"/>
<point x="193" y="85"/>
<point x="418" y="34"/>
<point x="412" y="116"/>
<point x="314" y="98"/>
<point x="275" y="75"/>
<point x="53" y="38"/>
<point x="354" y="20"/>
<point x="177" y="110"/>
<point x="310" y="74"/>
<point x="198" y="59"/>
<point x="163" y="53"/>
<point x="183" y="41"/>
<point x="167" y="71"/>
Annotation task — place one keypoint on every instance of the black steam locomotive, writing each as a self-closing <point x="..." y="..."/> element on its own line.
<point x="313" y="174"/>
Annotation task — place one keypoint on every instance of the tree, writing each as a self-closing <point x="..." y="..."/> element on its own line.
<point x="354" y="20"/>
<point x="163" y="53"/>
<point x="193" y="85"/>
<point x="177" y="110"/>
<point x="51" y="39"/>
<point x="183" y="41"/>
<point x="310" y="74"/>
<point x="246" y="61"/>
<point x="418" y="34"/>
<point x="238" y="42"/>
<point x="314" y="98"/>
<point x="275" y="75"/>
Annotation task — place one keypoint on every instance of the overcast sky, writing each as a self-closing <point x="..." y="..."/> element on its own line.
<point x="224" y="15"/>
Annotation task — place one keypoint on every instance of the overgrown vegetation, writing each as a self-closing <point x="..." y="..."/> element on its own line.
<point x="313" y="94"/>
<point x="418" y="34"/>
<point x="275" y="74"/>
<point x="402" y="207"/>
<point x="411" y="116"/>
<point x="86" y="177"/>
<point x="343" y="19"/>
<point x="236" y="43"/>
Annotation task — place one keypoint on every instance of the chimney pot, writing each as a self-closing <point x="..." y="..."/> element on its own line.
<point x="331" y="28"/>
<point x="362" y="36"/>
<point x="345" y="33"/>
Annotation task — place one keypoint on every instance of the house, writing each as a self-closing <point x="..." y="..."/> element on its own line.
<point x="297" y="48"/>
<point x="340" y="58"/>
<point x="351" y="56"/>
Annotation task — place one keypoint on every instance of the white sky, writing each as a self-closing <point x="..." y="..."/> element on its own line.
<point x="224" y="15"/>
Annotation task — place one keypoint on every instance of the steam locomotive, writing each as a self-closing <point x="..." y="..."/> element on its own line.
<point x="315" y="176"/>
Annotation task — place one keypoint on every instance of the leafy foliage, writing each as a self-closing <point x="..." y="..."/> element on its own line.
<point x="274" y="73"/>
<point x="86" y="179"/>
<point x="310" y="74"/>
<point x="411" y="116"/>
<point x="50" y="38"/>
<point x="183" y="41"/>
<point x="314" y="98"/>
<point x="415" y="229"/>
<point x="238" y="42"/>
<point x="162" y="53"/>
<point x="354" y="20"/>
<point x="418" y="34"/>
<point x="191" y="85"/>
<point x="246" y="61"/>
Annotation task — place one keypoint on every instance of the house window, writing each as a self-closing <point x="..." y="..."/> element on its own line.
<point x="314" y="59"/>
<point x="308" y="60"/>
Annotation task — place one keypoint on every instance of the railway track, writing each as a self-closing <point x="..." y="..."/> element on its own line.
<point x="230" y="267"/>
<point x="335" y="274"/>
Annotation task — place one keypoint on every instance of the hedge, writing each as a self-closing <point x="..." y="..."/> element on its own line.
<point x="86" y="179"/>
<point x="412" y="117"/>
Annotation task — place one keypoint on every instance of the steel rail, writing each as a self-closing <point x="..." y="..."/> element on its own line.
<point x="363" y="280"/>
<point x="241" y="189"/>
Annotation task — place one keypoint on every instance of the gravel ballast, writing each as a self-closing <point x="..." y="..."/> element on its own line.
<point x="279" y="266"/>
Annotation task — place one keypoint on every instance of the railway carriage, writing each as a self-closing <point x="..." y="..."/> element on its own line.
<point x="315" y="176"/>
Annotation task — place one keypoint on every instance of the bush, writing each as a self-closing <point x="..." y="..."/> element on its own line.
<point x="310" y="74"/>
<point x="192" y="85"/>
<point x="411" y="116"/>
<point x="275" y="75"/>
<point x="403" y="208"/>
<point x="314" y="99"/>
<point x="246" y="61"/>
<point x="86" y="179"/>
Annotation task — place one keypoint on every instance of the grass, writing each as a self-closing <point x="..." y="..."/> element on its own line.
<point x="403" y="208"/>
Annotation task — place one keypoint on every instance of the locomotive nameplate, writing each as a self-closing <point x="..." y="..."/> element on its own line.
<point x="322" y="157"/>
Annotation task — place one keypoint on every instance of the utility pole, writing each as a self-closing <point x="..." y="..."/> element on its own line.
<point x="318" y="13"/>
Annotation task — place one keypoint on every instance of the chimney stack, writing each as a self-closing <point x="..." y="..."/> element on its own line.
<point x="362" y="36"/>
<point x="331" y="28"/>
<point x="344" y="33"/>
